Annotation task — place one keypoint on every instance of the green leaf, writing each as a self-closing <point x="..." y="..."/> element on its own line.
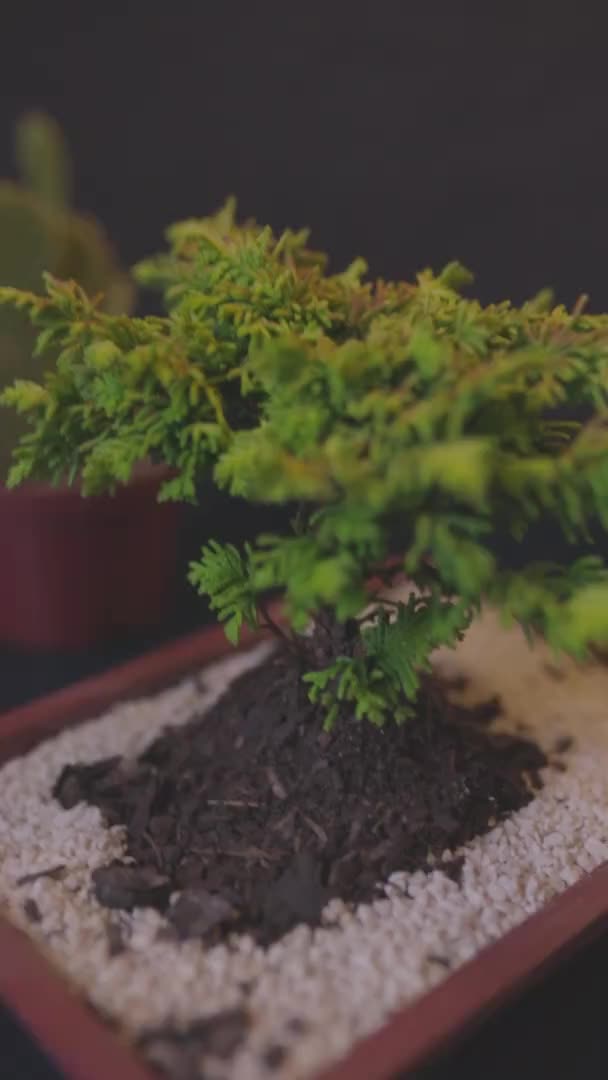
<point x="222" y="575"/>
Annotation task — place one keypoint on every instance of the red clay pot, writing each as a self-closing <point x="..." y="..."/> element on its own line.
<point x="76" y="572"/>
<point x="87" y="1049"/>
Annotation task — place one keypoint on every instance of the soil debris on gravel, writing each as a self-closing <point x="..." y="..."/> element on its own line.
<point x="184" y="1054"/>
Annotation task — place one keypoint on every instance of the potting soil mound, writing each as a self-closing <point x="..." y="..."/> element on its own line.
<point x="258" y="817"/>
<point x="245" y="1010"/>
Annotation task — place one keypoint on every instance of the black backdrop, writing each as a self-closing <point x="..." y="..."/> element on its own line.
<point x="411" y="135"/>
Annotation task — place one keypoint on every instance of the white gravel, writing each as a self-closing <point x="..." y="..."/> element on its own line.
<point x="345" y="978"/>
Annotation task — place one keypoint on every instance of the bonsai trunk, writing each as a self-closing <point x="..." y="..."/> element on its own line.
<point x="331" y="639"/>
<point x="328" y="639"/>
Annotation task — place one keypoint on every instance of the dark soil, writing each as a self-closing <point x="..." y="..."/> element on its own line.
<point x="256" y="816"/>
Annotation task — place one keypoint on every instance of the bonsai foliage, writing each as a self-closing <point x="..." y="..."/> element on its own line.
<point x="40" y="232"/>
<point x="174" y="388"/>
<point x="403" y="423"/>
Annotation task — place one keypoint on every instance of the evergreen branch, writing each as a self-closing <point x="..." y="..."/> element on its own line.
<point x="399" y="417"/>
<point x="222" y="575"/>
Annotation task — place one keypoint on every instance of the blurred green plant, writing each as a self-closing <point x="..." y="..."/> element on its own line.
<point x="39" y="232"/>
<point x="399" y="420"/>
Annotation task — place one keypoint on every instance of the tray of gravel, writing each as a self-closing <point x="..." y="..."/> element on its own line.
<point x="196" y="882"/>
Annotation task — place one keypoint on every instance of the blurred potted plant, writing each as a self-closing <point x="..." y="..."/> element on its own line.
<point x="73" y="571"/>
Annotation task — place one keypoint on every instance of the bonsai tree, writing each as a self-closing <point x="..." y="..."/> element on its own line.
<point x="41" y="232"/>
<point x="403" y="423"/>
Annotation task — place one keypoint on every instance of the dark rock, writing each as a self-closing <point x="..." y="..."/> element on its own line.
<point x="482" y="714"/>
<point x="126" y="887"/>
<point x="76" y="782"/>
<point x="274" y="1056"/>
<point x="198" y="913"/>
<point x="297" y="896"/>
<point x="297" y="1026"/>
<point x="116" y="939"/>
<point x="221" y="1035"/>
<point x="436" y="958"/>
<point x="452" y="868"/>
<point x="172" y="1057"/>
<point x="32" y="910"/>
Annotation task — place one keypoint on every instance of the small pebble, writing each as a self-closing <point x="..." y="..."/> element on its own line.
<point x="274" y="1056"/>
<point x="32" y="910"/>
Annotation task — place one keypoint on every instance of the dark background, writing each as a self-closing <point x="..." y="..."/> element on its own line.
<point x="411" y="135"/>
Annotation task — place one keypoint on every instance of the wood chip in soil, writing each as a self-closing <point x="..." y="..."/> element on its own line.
<point x="256" y="817"/>
<point x="55" y="873"/>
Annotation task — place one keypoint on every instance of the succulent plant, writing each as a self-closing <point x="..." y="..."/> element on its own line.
<point x="41" y="233"/>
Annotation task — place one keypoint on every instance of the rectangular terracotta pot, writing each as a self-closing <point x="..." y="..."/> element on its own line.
<point x="76" y="572"/>
<point x="87" y="1049"/>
